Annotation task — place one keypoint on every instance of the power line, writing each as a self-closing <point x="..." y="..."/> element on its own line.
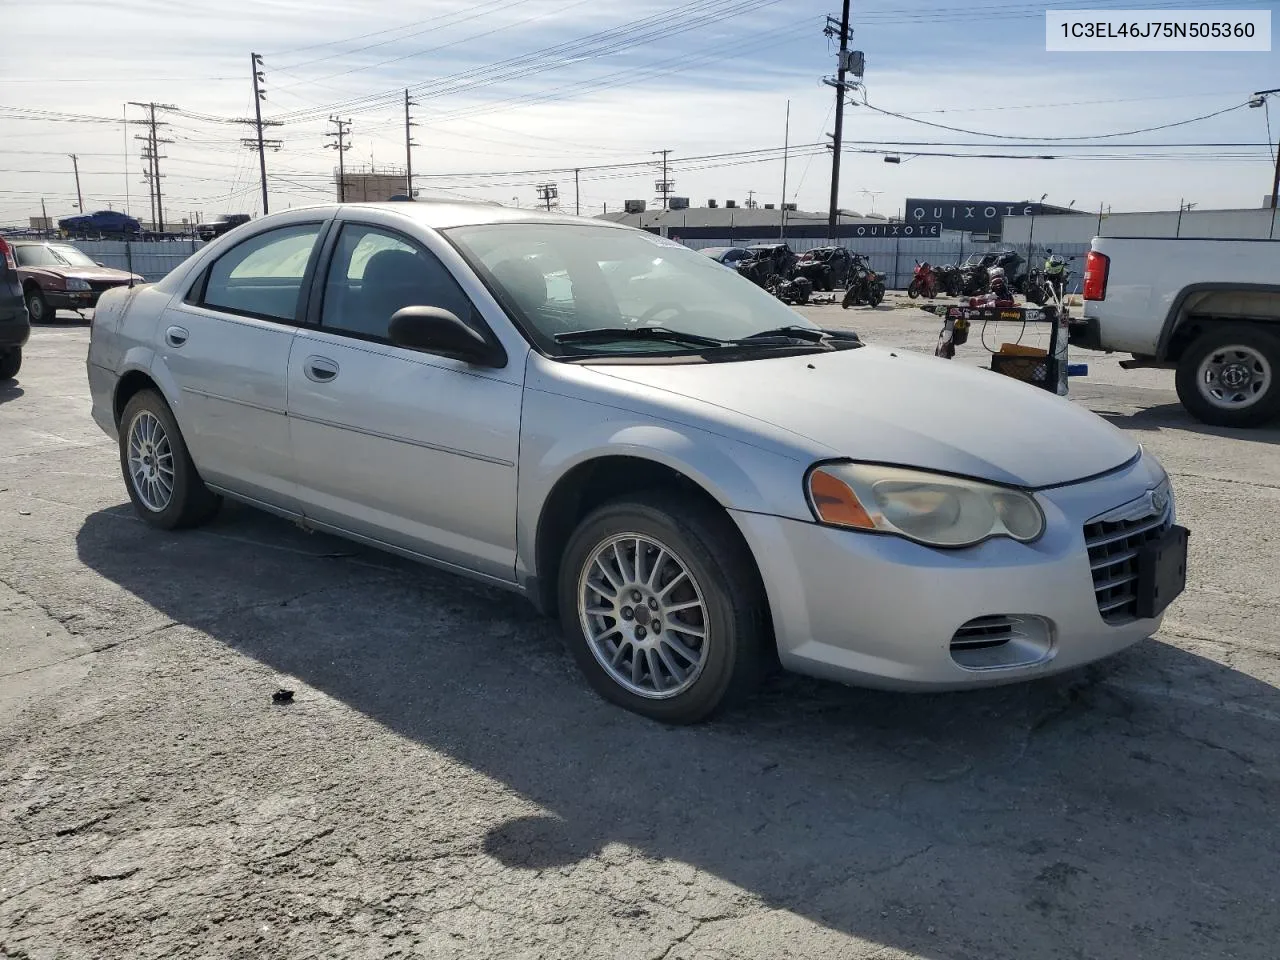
<point x="1096" y="136"/>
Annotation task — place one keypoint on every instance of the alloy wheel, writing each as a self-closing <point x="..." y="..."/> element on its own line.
<point x="150" y="462"/>
<point x="644" y="616"/>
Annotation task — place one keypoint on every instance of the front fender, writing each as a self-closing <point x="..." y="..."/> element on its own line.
<point x="740" y="477"/>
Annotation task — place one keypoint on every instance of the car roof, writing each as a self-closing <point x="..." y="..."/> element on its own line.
<point x="441" y="214"/>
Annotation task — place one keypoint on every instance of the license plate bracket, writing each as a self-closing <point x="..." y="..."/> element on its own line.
<point x="1162" y="572"/>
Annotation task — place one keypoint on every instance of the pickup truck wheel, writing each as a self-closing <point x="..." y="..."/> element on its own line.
<point x="1230" y="376"/>
<point x="10" y="363"/>
<point x="662" y="608"/>
<point x="163" y="484"/>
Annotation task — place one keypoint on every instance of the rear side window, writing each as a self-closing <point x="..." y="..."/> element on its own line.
<point x="262" y="276"/>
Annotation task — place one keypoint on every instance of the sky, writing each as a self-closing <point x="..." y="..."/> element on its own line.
<point x="513" y="93"/>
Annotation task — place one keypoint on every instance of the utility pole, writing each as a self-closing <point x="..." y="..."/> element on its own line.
<point x="548" y="192"/>
<point x="340" y="144"/>
<point x="259" y="95"/>
<point x="408" y="145"/>
<point x="151" y="153"/>
<point x="1259" y="99"/>
<point x="44" y="217"/>
<point x="751" y="199"/>
<point x="577" y="200"/>
<point x="786" y="148"/>
<point x="839" y="84"/>
<point x="258" y="142"/>
<point x="664" y="185"/>
<point x="75" y="165"/>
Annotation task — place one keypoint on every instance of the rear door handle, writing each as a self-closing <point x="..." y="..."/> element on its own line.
<point x="176" y="336"/>
<point x="319" y="369"/>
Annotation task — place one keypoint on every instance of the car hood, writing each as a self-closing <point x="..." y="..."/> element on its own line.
<point x="98" y="274"/>
<point x="909" y="409"/>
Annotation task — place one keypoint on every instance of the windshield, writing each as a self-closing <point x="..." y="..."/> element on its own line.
<point x="564" y="277"/>
<point x="50" y="255"/>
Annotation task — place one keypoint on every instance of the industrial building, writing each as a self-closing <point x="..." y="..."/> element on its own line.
<point x="370" y="184"/>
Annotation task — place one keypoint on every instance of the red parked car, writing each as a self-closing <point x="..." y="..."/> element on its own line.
<point x="56" y="276"/>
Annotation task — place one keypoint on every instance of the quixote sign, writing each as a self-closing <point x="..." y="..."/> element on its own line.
<point x="917" y="231"/>
<point x="975" y="216"/>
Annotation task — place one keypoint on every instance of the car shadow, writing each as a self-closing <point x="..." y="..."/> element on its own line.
<point x="1172" y="416"/>
<point x="64" y="318"/>
<point x="1127" y="810"/>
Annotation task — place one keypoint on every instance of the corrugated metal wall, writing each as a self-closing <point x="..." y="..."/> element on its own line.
<point x="150" y="258"/>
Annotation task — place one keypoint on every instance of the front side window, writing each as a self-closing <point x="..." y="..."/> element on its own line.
<point x="375" y="272"/>
<point x="262" y="276"/>
<point x="561" y="278"/>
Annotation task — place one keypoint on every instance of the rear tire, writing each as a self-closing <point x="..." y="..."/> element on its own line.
<point x="159" y="474"/>
<point x="1229" y="376"/>
<point x="10" y="363"/>
<point x="722" y="599"/>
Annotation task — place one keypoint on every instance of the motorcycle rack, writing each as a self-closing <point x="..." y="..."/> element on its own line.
<point x="1056" y="369"/>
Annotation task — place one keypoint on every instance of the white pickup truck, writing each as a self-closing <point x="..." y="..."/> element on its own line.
<point x="1209" y="309"/>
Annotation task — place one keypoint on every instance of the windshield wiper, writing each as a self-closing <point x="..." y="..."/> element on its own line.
<point x="807" y="334"/>
<point x="605" y="334"/>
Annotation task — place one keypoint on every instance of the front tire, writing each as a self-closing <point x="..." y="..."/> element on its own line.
<point x="662" y="608"/>
<point x="1229" y="376"/>
<point x="913" y="290"/>
<point x="161" y="478"/>
<point x="10" y="363"/>
<point x="875" y="296"/>
<point x="38" y="307"/>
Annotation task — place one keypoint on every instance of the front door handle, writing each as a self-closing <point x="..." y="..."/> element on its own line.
<point x="319" y="369"/>
<point x="176" y="336"/>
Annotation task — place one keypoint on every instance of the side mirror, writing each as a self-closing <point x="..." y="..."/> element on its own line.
<point x="434" y="330"/>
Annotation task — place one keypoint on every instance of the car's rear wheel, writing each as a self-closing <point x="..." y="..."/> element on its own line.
<point x="1229" y="376"/>
<point x="38" y="307"/>
<point x="662" y="607"/>
<point x="163" y="483"/>
<point x="10" y="363"/>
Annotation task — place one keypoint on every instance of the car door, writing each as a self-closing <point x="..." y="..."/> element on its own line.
<point x="226" y="347"/>
<point x="399" y="446"/>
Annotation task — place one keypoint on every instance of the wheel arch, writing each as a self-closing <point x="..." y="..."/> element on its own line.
<point x="1201" y="305"/>
<point x="598" y="480"/>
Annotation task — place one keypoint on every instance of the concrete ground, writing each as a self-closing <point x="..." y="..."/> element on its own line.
<point x="444" y="785"/>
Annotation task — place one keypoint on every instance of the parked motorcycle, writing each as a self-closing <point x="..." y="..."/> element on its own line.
<point x="866" y="286"/>
<point x="949" y="280"/>
<point x="924" y="282"/>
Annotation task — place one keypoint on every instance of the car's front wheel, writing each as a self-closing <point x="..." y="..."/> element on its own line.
<point x="10" y="363"/>
<point x="38" y="307"/>
<point x="1229" y="376"/>
<point x="662" y="607"/>
<point x="163" y="483"/>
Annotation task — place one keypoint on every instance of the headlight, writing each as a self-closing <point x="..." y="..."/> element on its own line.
<point x="930" y="508"/>
<point x="75" y="283"/>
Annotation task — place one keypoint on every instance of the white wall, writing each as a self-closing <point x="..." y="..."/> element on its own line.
<point x="1210" y="224"/>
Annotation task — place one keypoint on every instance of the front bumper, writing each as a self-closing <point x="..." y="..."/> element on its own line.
<point x="882" y="611"/>
<point x="72" y="299"/>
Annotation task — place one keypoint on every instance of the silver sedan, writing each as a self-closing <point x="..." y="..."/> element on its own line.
<point x="695" y="479"/>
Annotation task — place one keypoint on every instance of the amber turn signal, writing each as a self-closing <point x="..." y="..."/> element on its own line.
<point x="835" y="502"/>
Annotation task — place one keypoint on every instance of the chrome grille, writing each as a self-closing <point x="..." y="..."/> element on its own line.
<point x="1113" y="561"/>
